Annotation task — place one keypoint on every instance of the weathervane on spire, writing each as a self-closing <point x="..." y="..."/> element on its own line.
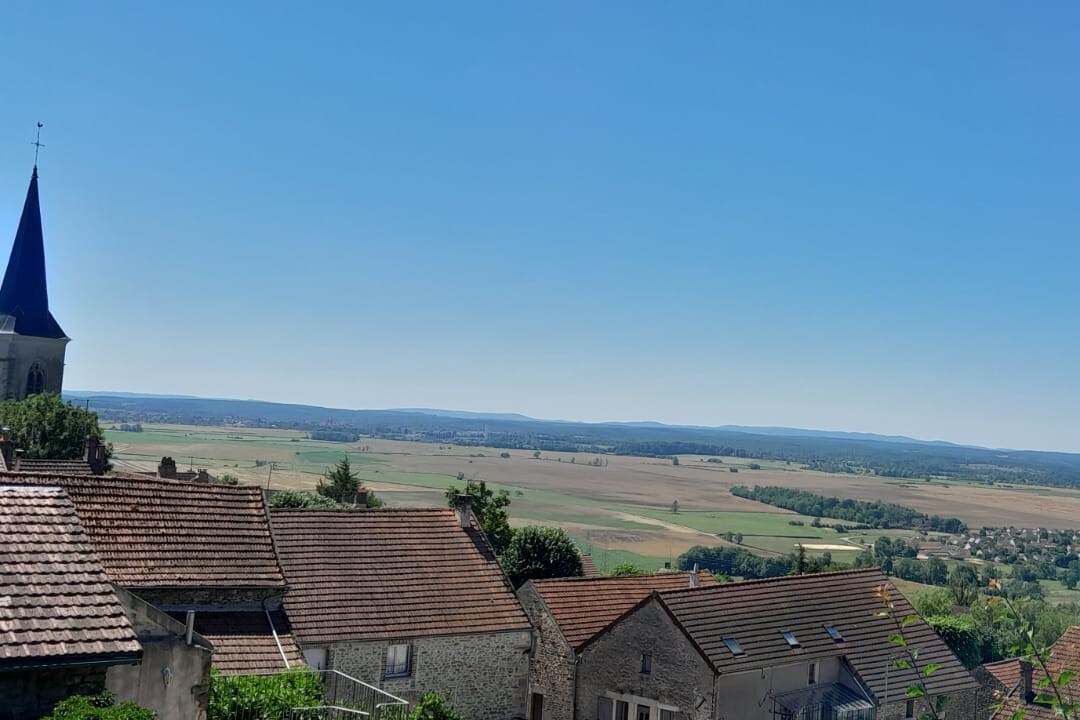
<point x="37" y="143"/>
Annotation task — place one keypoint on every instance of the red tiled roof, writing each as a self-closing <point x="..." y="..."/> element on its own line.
<point x="588" y="566"/>
<point x="353" y="575"/>
<point x="754" y="613"/>
<point x="152" y="533"/>
<point x="584" y="606"/>
<point x="52" y="467"/>
<point x="1007" y="672"/>
<point x="56" y="603"/>
<point x="244" y="642"/>
<point x="1064" y="655"/>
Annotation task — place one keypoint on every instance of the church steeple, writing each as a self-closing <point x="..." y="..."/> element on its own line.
<point x="24" y="297"/>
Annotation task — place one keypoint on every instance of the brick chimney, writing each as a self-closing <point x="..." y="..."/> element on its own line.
<point x="7" y="448"/>
<point x="695" y="578"/>
<point x="463" y="508"/>
<point x="167" y="468"/>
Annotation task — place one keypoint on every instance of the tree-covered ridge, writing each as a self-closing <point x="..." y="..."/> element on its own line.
<point x="875" y="514"/>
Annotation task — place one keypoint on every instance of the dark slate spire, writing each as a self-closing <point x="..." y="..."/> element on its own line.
<point x="24" y="296"/>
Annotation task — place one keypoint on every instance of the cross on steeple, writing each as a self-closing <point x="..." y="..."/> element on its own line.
<point x="37" y="143"/>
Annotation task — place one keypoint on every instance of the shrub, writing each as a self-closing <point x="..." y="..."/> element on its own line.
<point x="98" y="707"/>
<point x="433" y="706"/>
<point x="262" y="696"/>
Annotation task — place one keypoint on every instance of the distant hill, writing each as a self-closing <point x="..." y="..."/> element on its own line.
<point x="848" y="452"/>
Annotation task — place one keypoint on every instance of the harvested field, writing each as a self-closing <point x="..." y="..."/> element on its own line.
<point x="620" y="508"/>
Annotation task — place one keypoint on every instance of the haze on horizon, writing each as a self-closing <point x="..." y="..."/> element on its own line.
<point x="841" y="216"/>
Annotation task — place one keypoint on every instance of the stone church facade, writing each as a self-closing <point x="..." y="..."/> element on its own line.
<point x="32" y="344"/>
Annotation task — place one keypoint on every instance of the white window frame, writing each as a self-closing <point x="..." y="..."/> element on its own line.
<point x="396" y="666"/>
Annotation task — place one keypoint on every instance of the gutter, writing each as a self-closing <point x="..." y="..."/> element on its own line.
<point x="277" y="640"/>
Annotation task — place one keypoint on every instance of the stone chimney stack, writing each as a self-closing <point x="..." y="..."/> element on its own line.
<point x="202" y="476"/>
<point x="7" y="448"/>
<point x="167" y="468"/>
<point x="94" y="455"/>
<point x="463" y="508"/>
<point x="1025" y="680"/>
<point x="360" y="499"/>
<point x="695" y="578"/>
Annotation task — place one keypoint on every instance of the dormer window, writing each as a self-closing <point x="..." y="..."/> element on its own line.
<point x="35" y="380"/>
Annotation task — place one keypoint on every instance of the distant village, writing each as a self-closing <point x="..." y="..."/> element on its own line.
<point x="168" y="595"/>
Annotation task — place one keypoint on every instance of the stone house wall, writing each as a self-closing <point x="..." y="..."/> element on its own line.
<point x="970" y="705"/>
<point x="486" y="674"/>
<point x="211" y="599"/>
<point x="173" y="678"/>
<point x="748" y="695"/>
<point x="31" y="694"/>
<point x="552" y="669"/>
<point x="679" y="679"/>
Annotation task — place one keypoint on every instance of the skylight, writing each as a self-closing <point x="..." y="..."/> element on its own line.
<point x="733" y="646"/>
<point x="833" y="633"/>
<point x="790" y="637"/>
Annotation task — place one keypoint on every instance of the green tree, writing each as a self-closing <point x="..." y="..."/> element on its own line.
<point x="626" y="568"/>
<point x="490" y="509"/>
<point x="541" y="552"/>
<point x="342" y="485"/>
<point x="963" y="585"/>
<point x="302" y="500"/>
<point x="800" y="565"/>
<point x="44" y="426"/>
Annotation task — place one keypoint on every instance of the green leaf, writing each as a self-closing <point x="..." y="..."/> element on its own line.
<point x="908" y="620"/>
<point x="915" y="691"/>
<point x="929" y="669"/>
<point x="898" y="640"/>
<point x="1065" y="678"/>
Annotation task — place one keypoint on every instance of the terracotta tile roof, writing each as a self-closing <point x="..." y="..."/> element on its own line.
<point x="754" y="613"/>
<point x="353" y="575"/>
<point x="1064" y="655"/>
<point x="53" y="467"/>
<point x="584" y="606"/>
<point x="152" y="533"/>
<point x="588" y="566"/>
<point x="244" y="642"/>
<point x="1007" y="672"/>
<point x="56" y="603"/>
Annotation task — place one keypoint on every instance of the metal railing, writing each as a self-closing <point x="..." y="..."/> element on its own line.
<point x="301" y="695"/>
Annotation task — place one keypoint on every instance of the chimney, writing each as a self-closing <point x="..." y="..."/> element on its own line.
<point x="202" y="476"/>
<point x="695" y="579"/>
<point x="463" y="508"/>
<point x="94" y="455"/>
<point x="167" y="468"/>
<point x="360" y="500"/>
<point x="667" y="565"/>
<point x="7" y="448"/>
<point x="1025" y="680"/>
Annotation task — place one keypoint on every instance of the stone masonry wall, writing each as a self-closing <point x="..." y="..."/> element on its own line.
<point x="971" y="705"/>
<point x="679" y="679"/>
<point x="486" y="673"/>
<point x="32" y="694"/>
<point x="552" y="667"/>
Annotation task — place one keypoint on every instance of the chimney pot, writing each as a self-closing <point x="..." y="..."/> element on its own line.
<point x="695" y="579"/>
<point x="463" y="508"/>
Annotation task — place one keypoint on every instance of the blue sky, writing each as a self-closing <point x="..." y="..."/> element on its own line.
<point x="832" y="215"/>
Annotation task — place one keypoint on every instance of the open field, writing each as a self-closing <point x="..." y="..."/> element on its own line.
<point x="620" y="509"/>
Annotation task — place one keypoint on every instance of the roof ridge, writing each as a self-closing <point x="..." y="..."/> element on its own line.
<point x="782" y="579"/>
<point x="115" y="479"/>
<point x="600" y="578"/>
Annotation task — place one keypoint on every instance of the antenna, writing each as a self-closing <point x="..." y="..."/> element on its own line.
<point x="37" y="143"/>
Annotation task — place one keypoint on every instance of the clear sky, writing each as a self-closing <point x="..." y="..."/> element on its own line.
<point x="857" y="216"/>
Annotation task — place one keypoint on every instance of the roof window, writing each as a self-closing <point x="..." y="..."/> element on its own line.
<point x="790" y="638"/>
<point x="733" y="646"/>
<point x="833" y="633"/>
